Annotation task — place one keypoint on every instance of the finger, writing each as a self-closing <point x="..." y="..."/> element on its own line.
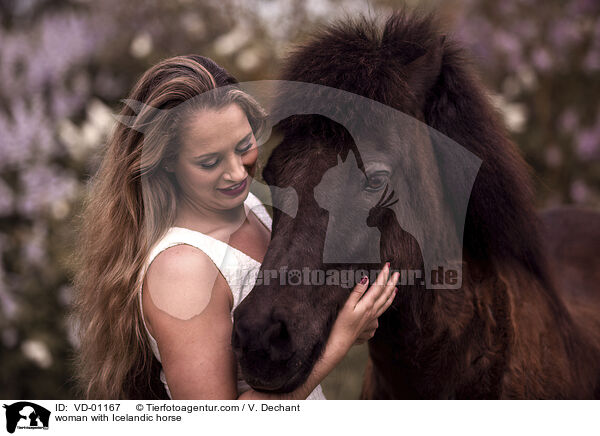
<point x="383" y="275"/>
<point x="388" y="290"/>
<point x="358" y="291"/>
<point x="376" y="288"/>
<point x="388" y="303"/>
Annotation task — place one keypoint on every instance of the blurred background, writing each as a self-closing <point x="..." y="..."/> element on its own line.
<point x="65" y="64"/>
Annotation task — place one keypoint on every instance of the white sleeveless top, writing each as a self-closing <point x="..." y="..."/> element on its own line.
<point x="239" y="270"/>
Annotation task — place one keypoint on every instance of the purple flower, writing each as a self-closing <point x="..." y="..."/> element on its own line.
<point x="42" y="186"/>
<point x="8" y="305"/>
<point x="510" y="46"/>
<point x="568" y="120"/>
<point x="564" y="33"/>
<point x="591" y="63"/>
<point x="64" y="103"/>
<point x="34" y="249"/>
<point x="507" y="43"/>
<point x="588" y="143"/>
<point x="29" y="131"/>
<point x="579" y="191"/>
<point x="541" y="59"/>
<point x="475" y="31"/>
<point x="583" y="7"/>
<point x="526" y="29"/>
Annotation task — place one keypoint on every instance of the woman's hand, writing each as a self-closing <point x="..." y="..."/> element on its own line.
<point x="367" y="333"/>
<point x="357" y="320"/>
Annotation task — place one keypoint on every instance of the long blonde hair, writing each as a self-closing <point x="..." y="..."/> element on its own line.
<point x="130" y="205"/>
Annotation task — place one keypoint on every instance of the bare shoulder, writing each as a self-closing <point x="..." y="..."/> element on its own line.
<point x="181" y="281"/>
<point x="188" y="312"/>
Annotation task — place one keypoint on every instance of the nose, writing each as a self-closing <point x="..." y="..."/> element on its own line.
<point x="268" y="336"/>
<point x="236" y="172"/>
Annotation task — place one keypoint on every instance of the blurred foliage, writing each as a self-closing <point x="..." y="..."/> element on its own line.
<point x="65" y="64"/>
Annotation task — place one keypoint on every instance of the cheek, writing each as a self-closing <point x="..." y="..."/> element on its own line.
<point x="198" y="179"/>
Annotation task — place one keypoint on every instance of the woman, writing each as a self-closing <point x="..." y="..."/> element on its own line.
<point x="170" y="232"/>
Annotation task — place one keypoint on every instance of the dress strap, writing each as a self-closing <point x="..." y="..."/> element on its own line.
<point x="226" y="259"/>
<point x="259" y="210"/>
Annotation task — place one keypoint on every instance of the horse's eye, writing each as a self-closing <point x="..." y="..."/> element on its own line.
<point x="376" y="182"/>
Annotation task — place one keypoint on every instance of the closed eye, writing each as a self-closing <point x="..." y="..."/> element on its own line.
<point x="245" y="148"/>
<point x="209" y="164"/>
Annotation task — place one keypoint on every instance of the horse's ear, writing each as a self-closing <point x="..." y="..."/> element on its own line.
<point x="422" y="73"/>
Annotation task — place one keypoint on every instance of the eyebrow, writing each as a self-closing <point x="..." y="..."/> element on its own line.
<point x="240" y="142"/>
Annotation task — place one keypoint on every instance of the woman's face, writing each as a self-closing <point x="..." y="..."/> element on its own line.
<point x="217" y="158"/>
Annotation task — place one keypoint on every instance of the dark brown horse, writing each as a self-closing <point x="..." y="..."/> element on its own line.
<point x="525" y="321"/>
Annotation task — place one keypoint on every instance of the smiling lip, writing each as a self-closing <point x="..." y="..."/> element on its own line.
<point x="236" y="190"/>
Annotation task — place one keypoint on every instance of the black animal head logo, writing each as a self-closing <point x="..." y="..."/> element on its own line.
<point x="26" y="415"/>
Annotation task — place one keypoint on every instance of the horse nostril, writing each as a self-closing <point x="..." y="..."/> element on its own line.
<point x="278" y="341"/>
<point x="276" y="334"/>
<point x="267" y="336"/>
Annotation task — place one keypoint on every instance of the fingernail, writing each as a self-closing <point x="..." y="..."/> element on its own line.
<point x="387" y="264"/>
<point x="364" y="280"/>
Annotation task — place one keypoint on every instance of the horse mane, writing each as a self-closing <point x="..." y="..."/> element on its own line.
<point x="370" y="60"/>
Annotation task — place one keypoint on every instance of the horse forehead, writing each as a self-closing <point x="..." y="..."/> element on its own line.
<point x="306" y="166"/>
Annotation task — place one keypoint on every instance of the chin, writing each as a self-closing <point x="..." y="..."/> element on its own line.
<point x="230" y="203"/>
